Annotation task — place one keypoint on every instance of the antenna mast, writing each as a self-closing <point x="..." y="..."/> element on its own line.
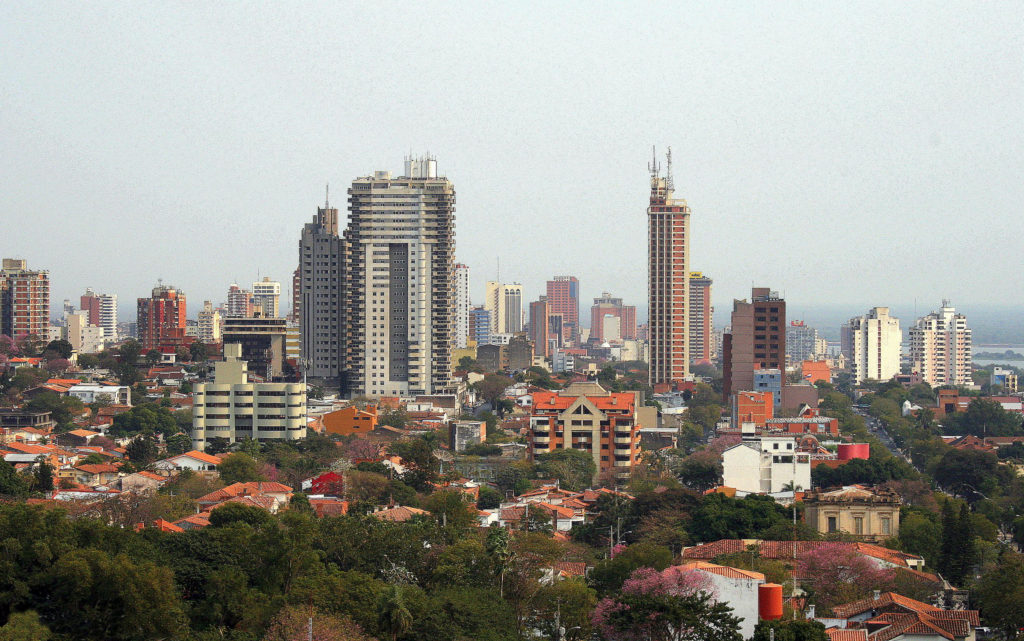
<point x="327" y="196"/>
<point x="654" y="167"/>
<point x="668" y="171"/>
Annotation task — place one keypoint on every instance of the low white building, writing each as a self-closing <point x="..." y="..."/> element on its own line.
<point x="92" y="393"/>
<point x="733" y="587"/>
<point x="766" y="465"/>
<point x="195" y="460"/>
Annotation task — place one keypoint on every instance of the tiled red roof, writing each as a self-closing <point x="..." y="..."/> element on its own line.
<point x="841" y="634"/>
<point x="900" y="602"/>
<point x="784" y="550"/>
<point x="721" y="570"/>
<point x="399" y="513"/>
<point x="572" y="568"/>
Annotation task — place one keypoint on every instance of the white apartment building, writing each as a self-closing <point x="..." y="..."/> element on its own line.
<point x="399" y="296"/>
<point x="93" y="393"/>
<point x="872" y="343"/>
<point x="233" y="408"/>
<point x="766" y="465"/>
<point x="210" y="324"/>
<point x="505" y="303"/>
<point x="266" y="296"/>
<point x="940" y="347"/>
<point x="462" y="305"/>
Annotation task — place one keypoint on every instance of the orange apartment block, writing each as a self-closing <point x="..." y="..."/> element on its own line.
<point x="814" y="371"/>
<point x="587" y="417"/>
<point x="350" y="420"/>
<point x="752" y="407"/>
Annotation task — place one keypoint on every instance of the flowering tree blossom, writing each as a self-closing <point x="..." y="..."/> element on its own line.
<point x="672" y="605"/>
<point x="836" y="573"/>
<point x="292" y="624"/>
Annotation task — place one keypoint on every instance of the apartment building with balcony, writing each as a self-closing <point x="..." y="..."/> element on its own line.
<point x="940" y="347"/>
<point x="24" y="299"/>
<point x="588" y="418"/>
<point x="233" y="408"/>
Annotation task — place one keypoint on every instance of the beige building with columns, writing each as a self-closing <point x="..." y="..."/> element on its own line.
<point x="872" y="514"/>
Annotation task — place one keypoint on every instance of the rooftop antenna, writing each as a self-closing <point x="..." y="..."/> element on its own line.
<point x="654" y="167"/>
<point x="327" y="197"/>
<point x="668" y="170"/>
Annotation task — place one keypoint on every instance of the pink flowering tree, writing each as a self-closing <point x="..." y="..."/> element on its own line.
<point x="671" y="605"/>
<point x="836" y="573"/>
<point x="292" y="624"/>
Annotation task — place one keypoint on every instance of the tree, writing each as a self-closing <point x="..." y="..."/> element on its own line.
<point x="292" y="624"/>
<point x="700" y="470"/>
<point x="836" y="573"/>
<point x="60" y="348"/>
<point x="394" y="617"/>
<point x="10" y="483"/>
<point x="492" y="387"/>
<point x="197" y="352"/>
<point x="25" y="626"/>
<point x="229" y="513"/>
<point x="395" y="417"/>
<point x="488" y="499"/>
<point x="562" y="610"/>
<point x="790" y="630"/>
<point x="449" y="506"/>
<point x="142" y="450"/>
<point x="153" y="356"/>
<point x="1001" y="591"/>
<point x="574" y="469"/>
<point x="178" y="444"/>
<point x="610" y="574"/>
<point x="967" y="472"/>
<point x="239" y="468"/>
<point x="666" y="606"/>
<point x="43" y="475"/>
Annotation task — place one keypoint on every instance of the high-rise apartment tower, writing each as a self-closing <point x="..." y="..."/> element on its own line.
<point x="400" y="283"/>
<point x="940" y="347"/>
<point x="757" y="340"/>
<point x="320" y="290"/>
<point x="24" y="300"/>
<point x="563" y="294"/>
<point x="462" y="305"/>
<point x="701" y="313"/>
<point x="102" y="312"/>
<point x="872" y="343"/>
<point x="161" y="319"/>
<point x="668" y="275"/>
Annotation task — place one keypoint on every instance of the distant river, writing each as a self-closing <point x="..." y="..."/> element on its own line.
<point x="998" y="349"/>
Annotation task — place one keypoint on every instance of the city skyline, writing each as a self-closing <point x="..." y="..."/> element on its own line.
<point x="850" y="150"/>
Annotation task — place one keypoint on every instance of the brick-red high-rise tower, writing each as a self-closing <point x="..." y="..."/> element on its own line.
<point x="668" y="271"/>
<point x="564" y="298"/>
<point x="161" y="319"/>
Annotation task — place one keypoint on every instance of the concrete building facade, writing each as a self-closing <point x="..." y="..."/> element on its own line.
<point x="607" y="305"/>
<point x="872" y="344"/>
<point x="563" y="296"/>
<point x="869" y="514"/>
<point x="701" y="317"/>
<point x="209" y="324"/>
<point x="161" y="319"/>
<point x="263" y="343"/>
<point x="538" y="327"/>
<point x="940" y="347"/>
<point x="400" y="283"/>
<point x="587" y="417"/>
<point x="266" y="296"/>
<point x="462" y="306"/>
<point x="24" y="299"/>
<point x="756" y="340"/>
<point x="505" y="303"/>
<point x="320" y="291"/>
<point x="767" y="465"/>
<point x="668" y="277"/>
<point x="102" y="312"/>
<point x="233" y="408"/>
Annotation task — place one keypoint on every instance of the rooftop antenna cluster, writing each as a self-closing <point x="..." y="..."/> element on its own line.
<point x="654" y="167"/>
<point x="668" y="171"/>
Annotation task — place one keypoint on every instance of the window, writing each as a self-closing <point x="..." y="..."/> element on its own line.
<point x="858" y="525"/>
<point x="886" y="528"/>
<point x="832" y="527"/>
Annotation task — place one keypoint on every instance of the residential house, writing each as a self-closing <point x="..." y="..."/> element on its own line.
<point x="194" y="460"/>
<point x="893" y="617"/>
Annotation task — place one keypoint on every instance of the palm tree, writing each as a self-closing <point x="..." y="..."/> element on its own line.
<point x="791" y="487"/>
<point x="393" y="616"/>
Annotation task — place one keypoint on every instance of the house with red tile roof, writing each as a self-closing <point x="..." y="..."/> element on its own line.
<point x="732" y="586"/>
<point x="277" y="495"/>
<point x="93" y="474"/>
<point x="398" y="513"/>
<point x="194" y="460"/>
<point x="328" y="506"/>
<point x="890" y="616"/>
<point x="142" y="482"/>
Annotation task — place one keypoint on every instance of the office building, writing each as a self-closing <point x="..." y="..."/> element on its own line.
<point x="400" y="283"/>
<point x="480" y="325"/>
<point x="940" y="347"/>
<point x="668" y="275"/>
<point x="320" y="291"/>
<point x="589" y="418"/>
<point x="209" y="324"/>
<point x="263" y="342"/>
<point x="505" y="303"/>
<point x="161" y="320"/>
<point x="563" y="294"/>
<point x="872" y="344"/>
<point x="701" y="317"/>
<point x="233" y="408"/>
<point x="756" y="340"/>
<point x="266" y="297"/>
<point x="606" y="306"/>
<point x="24" y="300"/>
<point x="462" y="306"/>
<point x="102" y="312"/>
<point x="538" y="326"/>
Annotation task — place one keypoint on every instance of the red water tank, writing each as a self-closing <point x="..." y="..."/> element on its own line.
<point x="849" y="451"/>
<point x="769" y="601"/>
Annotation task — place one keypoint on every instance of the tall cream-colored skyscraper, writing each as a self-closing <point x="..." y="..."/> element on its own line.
<point x="872" y="343"/>
<point x="399" y="321"/>
<point x="209" y="324"/>
<point x="505" y="303"/>
<point x="668" y="274"/>
<point x="940" y="347"/>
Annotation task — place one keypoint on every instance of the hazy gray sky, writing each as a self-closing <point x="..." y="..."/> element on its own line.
<point x="862" y="153"/>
